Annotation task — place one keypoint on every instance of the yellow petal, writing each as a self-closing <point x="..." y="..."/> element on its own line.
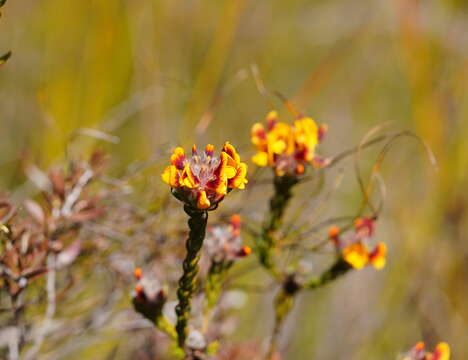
<point x="356" y="255"/>
<point x="239" y="181"/>
<point x="169" y="176"/>
<point x="229" y="171"/>
<point x="166" y="175"/>
<point x="277" y="146"/>
<point x="260" y="159"/>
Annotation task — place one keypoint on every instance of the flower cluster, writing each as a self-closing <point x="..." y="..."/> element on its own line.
<point x="286" y="148"/>
<point x="418" y="352"/>
<point x="224" y="243"/>
<point x="148" y="295"/>
<point x="203" y="180"/>
<point x="357" y="252"/>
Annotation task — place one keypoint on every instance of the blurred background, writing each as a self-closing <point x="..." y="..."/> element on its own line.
<point x="153" y="74"/>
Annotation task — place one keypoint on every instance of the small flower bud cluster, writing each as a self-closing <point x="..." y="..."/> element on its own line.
<point x="148" y="296"/>
<point x="224" y="243"/>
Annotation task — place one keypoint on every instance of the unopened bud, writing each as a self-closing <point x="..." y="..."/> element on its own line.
<point x="244" y="251"/>
<point x="138" y="273"/>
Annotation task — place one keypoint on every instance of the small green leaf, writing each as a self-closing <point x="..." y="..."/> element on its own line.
<point x="4" y="57"/>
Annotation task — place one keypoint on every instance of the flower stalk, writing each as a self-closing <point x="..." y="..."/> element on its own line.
<point x="214" y="283"/>
<point x="187" y="283"/>
<point x="285" y="299"/>
<point x="339" y="268"/>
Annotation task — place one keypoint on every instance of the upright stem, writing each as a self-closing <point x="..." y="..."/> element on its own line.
<point x="284" y="303"/>
<point x="187" y="283"/>
<point x="213" y="287"/>
<point x="278" y="203"/>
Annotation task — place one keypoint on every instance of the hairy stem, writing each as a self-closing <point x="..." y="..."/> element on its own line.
<point x="187" y="283"/>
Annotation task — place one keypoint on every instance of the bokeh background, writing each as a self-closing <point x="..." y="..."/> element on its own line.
<point x="157" y="73"/>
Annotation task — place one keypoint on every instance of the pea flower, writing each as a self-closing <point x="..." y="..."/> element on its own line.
<point x="418" y="352"/>
<point x="358" y="254"/>
<point x="288" y="149"/>
<point x="202" y="180"/>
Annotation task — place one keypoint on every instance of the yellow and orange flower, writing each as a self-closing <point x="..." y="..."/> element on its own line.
<point x="203" y="180"/>
<point x="357" y="254"/>
<point x="418" y="352"/>
<point x="286" y="148"/>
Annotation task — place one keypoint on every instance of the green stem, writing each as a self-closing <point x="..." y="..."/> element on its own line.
<point x="165" y="326"/>
<point x="284" y="303"/>
<point x="214" y="285"/>
<point x="283" y="186"/>
<point x="214" y="282"/>
<point x="339" y="268"/>
<point x="187" y="283"/>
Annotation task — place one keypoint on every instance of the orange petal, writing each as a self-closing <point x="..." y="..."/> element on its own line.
<point x="333" y="231"/>
<point x="377" y="257"/>
<point x="202" y="201"/>
<point x="235" y="223"/>
<point x="138" y="273"/>
<point x="244" y="251"/>
<point x="209" y="150"/>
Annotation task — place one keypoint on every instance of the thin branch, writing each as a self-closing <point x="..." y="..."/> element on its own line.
<point x="50" y="310"/>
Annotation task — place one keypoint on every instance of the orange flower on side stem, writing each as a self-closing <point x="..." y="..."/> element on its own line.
<point x="202" y="180"/>
<point x="357" y="254"/>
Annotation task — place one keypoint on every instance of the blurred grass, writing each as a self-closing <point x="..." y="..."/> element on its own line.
<point x="150" y="71"/>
